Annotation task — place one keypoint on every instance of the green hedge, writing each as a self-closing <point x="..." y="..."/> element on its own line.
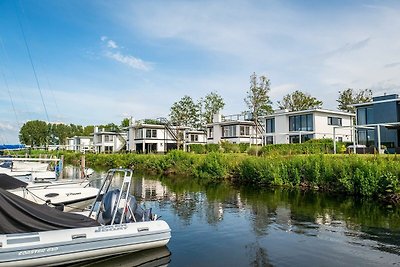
<point x="363" y="175"/>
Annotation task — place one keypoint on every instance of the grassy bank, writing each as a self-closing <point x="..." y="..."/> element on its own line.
<point x="360" y="175"/>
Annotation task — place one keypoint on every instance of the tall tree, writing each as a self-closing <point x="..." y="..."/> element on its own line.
<point x="257" y="98"/>
<point x="125" y="122"/>
<point x="34" y="133"/>
<point x="350" y="96"/>
<point x="59" y="133"/>
<point x="299" y="101"/>
<point x="213" y="103"/>
<point x="185" y="112"/>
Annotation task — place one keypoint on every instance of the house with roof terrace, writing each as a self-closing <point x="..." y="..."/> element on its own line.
<point x="285" y="127"/>
<point x="235" y="129"/>
<point x="80" y="144"/>
<point x="108" y="141"/>
<point x="161" y="137"/>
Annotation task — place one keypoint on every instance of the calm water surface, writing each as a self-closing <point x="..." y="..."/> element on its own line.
<point x="225" y="226"/>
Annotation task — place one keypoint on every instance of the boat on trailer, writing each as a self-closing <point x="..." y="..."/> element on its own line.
<point x="32" y="234"/>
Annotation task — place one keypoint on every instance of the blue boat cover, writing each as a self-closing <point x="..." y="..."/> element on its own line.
<point x="12" y="147"/>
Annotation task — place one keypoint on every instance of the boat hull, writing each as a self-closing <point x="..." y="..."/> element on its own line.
<point x="74" y="245"/>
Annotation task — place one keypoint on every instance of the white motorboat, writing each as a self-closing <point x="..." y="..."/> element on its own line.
<point x="68" y="195"/>
<point x="30" y="169"/>
<point x="32" y="235"/>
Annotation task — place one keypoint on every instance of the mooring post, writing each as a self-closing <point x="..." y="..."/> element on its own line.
<point x="83" y="174"/>
<point x="61" y="165"/>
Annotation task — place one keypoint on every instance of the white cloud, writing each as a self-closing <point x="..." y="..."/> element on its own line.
<point x="112" y="44"/>
<point x="129" y="60"/>
<point x="112" y="51"/>
<point x="6" y="126"/>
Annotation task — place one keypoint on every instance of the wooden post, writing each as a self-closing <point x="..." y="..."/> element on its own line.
<point x="62" y="167"/>
<point x="83" y="175"/>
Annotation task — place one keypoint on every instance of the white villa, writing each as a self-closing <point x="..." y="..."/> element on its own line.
<point x="107" y="141"/>
<point x="81" y="144"/>
<point x="284" y="127"/>
<point x="234" y="129"/>
<point x="160" y="138"/>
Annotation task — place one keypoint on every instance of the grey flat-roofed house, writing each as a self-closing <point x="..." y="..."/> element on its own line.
<point x="385" y="112"/>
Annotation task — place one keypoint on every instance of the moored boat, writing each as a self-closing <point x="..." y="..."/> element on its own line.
<point x="70" y="195"/>
<point x="34" y="234"/>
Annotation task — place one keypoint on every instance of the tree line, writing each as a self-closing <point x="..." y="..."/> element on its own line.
<point x="186" y="112"/>
<point x="195" y="114"/>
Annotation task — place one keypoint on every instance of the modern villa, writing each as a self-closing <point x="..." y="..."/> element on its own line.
<point x="235" y="129"/>
<point x="160" y="138"/>
<point x="285" y="127"/>
<point x="107" y="141"/>
<point x="379" y="122"/>
<point x="80" y="144"/>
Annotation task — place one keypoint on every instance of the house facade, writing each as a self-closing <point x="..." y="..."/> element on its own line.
<point x="108" y="142"/>
<point x="81" y="144"/>
<point x="235" y="129"/>
<point x="379" y="121"/>
<point x="285" y="127"/>
<point x="160" y="138"/>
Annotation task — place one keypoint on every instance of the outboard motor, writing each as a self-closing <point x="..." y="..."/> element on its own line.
<point x="110" y="201"/>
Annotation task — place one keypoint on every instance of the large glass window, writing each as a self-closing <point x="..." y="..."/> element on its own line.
<point x="365" y="116"/>
<point x="229" y="131"/>
<point x="366" y="137"/>
<point x="270" y="125"/>
<point x="301" y="123"/>
<point x="139" y="134"/>
<point x="304" y="137"/>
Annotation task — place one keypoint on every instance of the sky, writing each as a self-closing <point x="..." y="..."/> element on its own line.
<point x="96" y="62"/>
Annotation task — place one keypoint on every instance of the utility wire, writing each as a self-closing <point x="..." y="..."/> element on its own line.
<point x="8" y="88"/>
<point x="33" y="66"/>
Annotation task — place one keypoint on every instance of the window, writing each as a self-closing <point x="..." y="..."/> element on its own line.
<point x="139" y="134"/>
<point x="304" y="137"/>
<point x="365" y="116"/>
<point x="229" y="131"/>
<point x="334" y="121"/>
<point x="366" y="137"/>
<point x="269" y="140"/>
<point x="210" y="132"/>
<point x="194" y="138"/>
<point x="151" y="133"/>
<point x="270" y="125"/>
<point x="108" y="149"/>
<point x="301" y="123"/>
<point x="108" y="138"/>
<point x="244" y="130"/>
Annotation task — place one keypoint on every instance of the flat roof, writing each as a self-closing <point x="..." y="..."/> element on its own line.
<point x="283" y="112"/>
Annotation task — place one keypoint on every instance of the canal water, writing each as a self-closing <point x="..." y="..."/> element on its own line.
<point x="220" y="225"/>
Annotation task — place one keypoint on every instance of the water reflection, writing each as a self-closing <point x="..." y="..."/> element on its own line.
<point x="149" y="258"/>
<point x="214" y="225"/>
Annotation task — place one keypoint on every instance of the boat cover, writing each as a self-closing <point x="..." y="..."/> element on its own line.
<point x="18" y="215"/>
<point x="8" y="182"/>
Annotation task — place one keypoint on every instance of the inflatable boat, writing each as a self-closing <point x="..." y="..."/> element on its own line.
<point x="37" y="235"/>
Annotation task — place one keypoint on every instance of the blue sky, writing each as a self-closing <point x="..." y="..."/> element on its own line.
<point x="101" y="61"/>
